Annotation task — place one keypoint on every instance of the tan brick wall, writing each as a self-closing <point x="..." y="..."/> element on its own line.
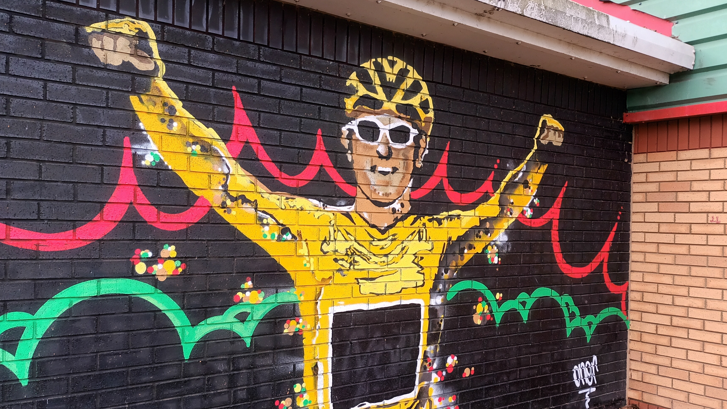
<point x="678" y="297"/>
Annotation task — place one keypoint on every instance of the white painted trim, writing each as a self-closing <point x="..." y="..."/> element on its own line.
<point x="555" y="35"/>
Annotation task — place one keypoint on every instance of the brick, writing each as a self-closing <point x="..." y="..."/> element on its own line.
<point x="716" y="283"/>
<point x="675" y="165"/>
<point x="659" y="238"/>
<point x="690" y="366"/>
<point x="639" y="158"/>
<point x="674" y="207"/>
<point x="708" y="207"/>
<point x="708" y="185"/>
<point x="44" y="29"/>
<point x="41" y="190"/>
<point x="693" y="154"/>
<point x="704" y="401"/>
<point x="671" y="331"/>
<point x="718" y="153"/>
<point x="661" y="197"/>
<point x="645" y="167"/>
<point x="13" y="44"/>
<point x="661" y="176"/>
<point x="645" y="227"/>
<point x="693" y="175"/>
<point x="187" y="38"/>
<point x="673" y="290"/>
<point x="687" y="322"/>
<point x="717" y="196"/>
<point x="671" y="310"/>
<point x="75" y="15"/>
<point x="41" y="110"/>
<point x="72" y="133"/>
<point x="687" y="344"/>
<point x="674" y="186"/>
<point x="236" y="48"/>
<point x="718" y="174"/>
<point x="715" y="163"/>
<point x="707" y="228"/>
<point x="674" y="228"/>
<point x="40" y="69"/>
<point x="692" y="196"/>
<point x="21" y="87"/>
<point x="707" y="272"/>
<point x="646" y="187"/>
<point x="76" y="95"/>
<point x="691" y="218"/>
<point x="657" y="380"/>
<point x="659" y="218"/>
<point x="661" y="156"/>
<point x="214" y="61"/>
<point x="34" y="7"/>
<point x="705" y="293"/>
<point x="704" y="250"/>
<point x="103" y="78"/>
<point x="672" y="393"/>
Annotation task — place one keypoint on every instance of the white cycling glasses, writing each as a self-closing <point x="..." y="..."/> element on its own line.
<point x="371" y="130"/>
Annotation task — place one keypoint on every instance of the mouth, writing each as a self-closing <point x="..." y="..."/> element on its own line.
<point x="383" y="171"/>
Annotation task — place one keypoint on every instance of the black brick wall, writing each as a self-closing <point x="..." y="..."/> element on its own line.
<point x="63" y="120"/>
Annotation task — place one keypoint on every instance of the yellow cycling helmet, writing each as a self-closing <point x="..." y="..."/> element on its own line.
<point x="390" y="86"/>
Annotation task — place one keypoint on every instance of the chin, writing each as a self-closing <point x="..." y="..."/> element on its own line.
<point x="385" y="195"/>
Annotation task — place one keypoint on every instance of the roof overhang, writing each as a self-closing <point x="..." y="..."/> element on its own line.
<point x="555" y="35"/>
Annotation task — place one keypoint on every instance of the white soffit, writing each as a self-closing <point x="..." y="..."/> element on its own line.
<point x="555" y="35"/>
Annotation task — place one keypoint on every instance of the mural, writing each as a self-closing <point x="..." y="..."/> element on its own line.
<point x="373" y="279"/>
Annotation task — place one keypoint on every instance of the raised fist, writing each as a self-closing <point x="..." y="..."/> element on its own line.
<point x="550" y="131"/>
<point x="115" y="49"/>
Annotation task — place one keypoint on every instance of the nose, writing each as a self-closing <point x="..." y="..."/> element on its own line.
<point x="384" y="148"/>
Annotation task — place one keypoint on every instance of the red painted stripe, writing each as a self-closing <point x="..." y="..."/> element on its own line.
<point x="639" y="18"/>
<point x="709" y="108"/>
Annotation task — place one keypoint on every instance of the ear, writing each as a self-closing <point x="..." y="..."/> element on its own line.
<point x="346" y="142"/>
<point x="423" y="142"/>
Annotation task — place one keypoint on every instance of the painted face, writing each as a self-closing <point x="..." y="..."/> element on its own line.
<point x="382" y="149"/>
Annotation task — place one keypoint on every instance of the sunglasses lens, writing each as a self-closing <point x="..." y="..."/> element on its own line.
<point x="368" y="131"/>
<point x="400" y="134"/>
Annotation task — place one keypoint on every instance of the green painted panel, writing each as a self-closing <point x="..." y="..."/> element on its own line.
<point x="702" y="27"/>
<point x="710" y="55"/>
<point x="671" y="10"/>
<point x="687" y="88"/>
<point x="701" y="23"/>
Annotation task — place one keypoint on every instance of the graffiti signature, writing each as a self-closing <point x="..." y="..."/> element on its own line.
<point x="585" y="374"/>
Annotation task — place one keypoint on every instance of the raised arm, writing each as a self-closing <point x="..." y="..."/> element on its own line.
<point x="195" y="152"/>
<point x="471" y="231"/>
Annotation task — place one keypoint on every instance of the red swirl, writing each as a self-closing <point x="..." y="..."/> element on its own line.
<point x="553" y="215"/>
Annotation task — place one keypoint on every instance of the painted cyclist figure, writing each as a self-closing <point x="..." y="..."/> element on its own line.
<point x="372" y="255"/>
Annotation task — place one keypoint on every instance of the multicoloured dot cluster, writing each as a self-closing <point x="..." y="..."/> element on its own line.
<point x="295" y="325"/>
<point x="164" y="266"/>
<point x="537" y="202"/>
<point x="492" y="252"/>
<point x="251" y="296"/>
<point x="194" y="148"/>
<point x="451" y="362"/>
<point x="283" y="404"/>
<point x="302" y="400"/>
<point x="446" y="401"/>
<point x="468" y="372"/>
<point x="151" y="159"/>
<point x="528" y="212"/>
<point x="482" y="312"/>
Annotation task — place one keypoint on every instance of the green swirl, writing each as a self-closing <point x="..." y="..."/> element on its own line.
<point x="524" y="302"/>
<point x="37" y="324"/>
